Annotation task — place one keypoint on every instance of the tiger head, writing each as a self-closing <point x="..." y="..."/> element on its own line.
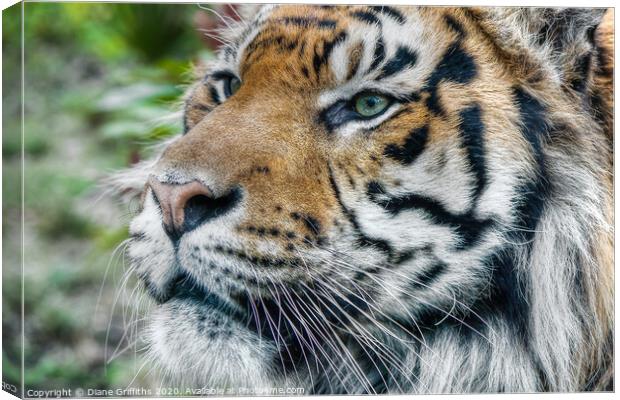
<point x="380" y="199"/>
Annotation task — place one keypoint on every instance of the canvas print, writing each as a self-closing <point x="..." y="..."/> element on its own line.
<point x="251" y="199"/>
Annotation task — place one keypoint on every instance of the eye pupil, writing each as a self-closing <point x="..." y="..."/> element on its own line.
<point x="370" y="105"/>
<point x="372" y="101"/>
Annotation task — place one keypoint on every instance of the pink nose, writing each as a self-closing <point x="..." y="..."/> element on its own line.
<point x="186" y="206"/>
<point x="183" y="206"/>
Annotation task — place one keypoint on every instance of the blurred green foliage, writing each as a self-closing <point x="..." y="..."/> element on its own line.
<point x="102" y="80"/>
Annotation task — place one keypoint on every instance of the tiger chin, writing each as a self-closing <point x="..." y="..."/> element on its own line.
<point x="375" y="199"/>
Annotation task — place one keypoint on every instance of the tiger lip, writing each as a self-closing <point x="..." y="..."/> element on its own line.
<point x="186" y="289"/>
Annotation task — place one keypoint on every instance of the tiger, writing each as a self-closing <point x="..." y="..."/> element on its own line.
<point x="387" y="199"/>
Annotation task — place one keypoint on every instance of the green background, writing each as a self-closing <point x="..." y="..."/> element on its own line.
<point x="102" y="82"/>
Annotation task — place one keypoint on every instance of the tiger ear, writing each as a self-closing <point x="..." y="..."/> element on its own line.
<point x="561" y="39"/>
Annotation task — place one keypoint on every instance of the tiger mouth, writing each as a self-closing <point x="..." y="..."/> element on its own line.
<point x="186" y="289"/>
<point x="259" y="311"/>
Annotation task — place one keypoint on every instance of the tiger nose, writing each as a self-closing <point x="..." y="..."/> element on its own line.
<point x="187" y="206"/>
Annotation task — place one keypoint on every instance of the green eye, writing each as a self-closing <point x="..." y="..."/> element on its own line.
<point x="370" y="105"/>
<point x="232" y="85"/>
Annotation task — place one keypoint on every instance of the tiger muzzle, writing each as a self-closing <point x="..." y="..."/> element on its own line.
<point x="187" y="206"/>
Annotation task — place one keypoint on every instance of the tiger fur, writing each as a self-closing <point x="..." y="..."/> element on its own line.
<point x="460" y="241"/>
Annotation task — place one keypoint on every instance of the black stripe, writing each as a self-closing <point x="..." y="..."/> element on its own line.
<point x="457" y="66"/>
<point x="535" y="129"/>
<point x="281" y="42"/>
<point x="214" y="95"/>
<point x="304" y="70"/>
<point x="412" y="97"/>
<point x="312" y="224"/>
<point x="455" y="25"/>
<point x="506" y="298"/>
<point x="534" y="122"/>
<point x="321" y="58"/>
<point x="472" y="131"/>
<point x="390" y="12"/>
<point x="362" y="239"/>
<point x="404" y="58"/>
<point x="466" y="225"/>
<point x="220" y="75"/>
<point x="582" y="72"/>
<point x="508" y="295"/>
<point x="139" y="236"/>
<point x="285" y="44"/>
<point x="265" y="39"/>
<point x="413" y="147"/>
<point x="185" y="287"/>
<point x="379" y="54"/>
<point x="367" y="17"/>
<point x="306" y="22"/>
<point x="426" y="278"/>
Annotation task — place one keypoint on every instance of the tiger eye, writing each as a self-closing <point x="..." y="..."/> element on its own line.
<point x="233" y="85"/>
<point x="370" y="105"/>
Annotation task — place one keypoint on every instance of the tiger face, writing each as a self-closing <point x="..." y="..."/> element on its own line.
<point x="354" y="186"/>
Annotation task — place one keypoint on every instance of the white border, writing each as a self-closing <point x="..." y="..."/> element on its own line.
<point x="549" y="3"/>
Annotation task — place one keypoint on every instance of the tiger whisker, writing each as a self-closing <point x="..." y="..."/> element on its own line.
<point x="464" y="323"/>
<point x="276" y="334"/>
<point x="313" y="340"/>
<point x="356" y="367"/>
<point x="376" y="323"/>
<point x="282" y="312"/>
<point x="363" y="332"/>
<point x="422" y="284"/>
<point x="336" y="341"/>
<point x="389" y="292"/>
